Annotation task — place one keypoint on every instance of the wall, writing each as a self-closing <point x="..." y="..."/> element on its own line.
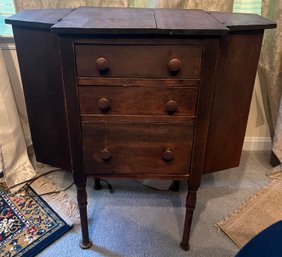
<point x="257" y="133"/>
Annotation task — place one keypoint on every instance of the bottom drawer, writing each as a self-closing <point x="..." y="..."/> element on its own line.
<point x="136" y="148"/>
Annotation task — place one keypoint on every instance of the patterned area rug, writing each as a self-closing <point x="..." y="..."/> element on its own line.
<point x="27" y="223"/>
<point x="259" y="212"/>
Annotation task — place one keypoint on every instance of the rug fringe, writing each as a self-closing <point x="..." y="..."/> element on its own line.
<point x="60" y="202"/>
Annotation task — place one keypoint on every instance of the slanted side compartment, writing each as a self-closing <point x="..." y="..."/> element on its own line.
<point x="39" y="59"/>
<point x="41" y="74"/>
<point x="235" y="79"/>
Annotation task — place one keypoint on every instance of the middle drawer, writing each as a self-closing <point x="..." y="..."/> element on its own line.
<point x="132" y="100"/>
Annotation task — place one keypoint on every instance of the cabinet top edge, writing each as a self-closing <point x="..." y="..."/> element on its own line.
<point x="243" y="21"/>
<point x="111" y="20"/>
<point x="38" y="18"/>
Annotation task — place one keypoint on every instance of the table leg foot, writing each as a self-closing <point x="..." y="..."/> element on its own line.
<point x="190" y="206"/>
<point x="85" y="245"/>
<point x="184" y="246"/>
<point x="82" y="204"/>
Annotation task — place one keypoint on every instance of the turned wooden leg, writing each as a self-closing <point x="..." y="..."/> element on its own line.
<point x="190" y="206"/>
<point x="82" y="204"/>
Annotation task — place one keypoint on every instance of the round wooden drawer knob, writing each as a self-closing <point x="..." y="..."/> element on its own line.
<point x="104" y="104"/>
<point x="102" y="64"/>
<point x="171" y="107"/>
<point x="174" y="65"/>
<point x="105" y="154"/>
<point x="168" y="155"/>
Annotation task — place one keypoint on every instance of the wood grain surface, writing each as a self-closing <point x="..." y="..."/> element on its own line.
<point x="136" y="101"/>
<point x="243" y="21"/>
<point x="38" y="18"/>
<point x="139" y="61"/>
<point x="234" y="84"/>
<point x="39" y="60"/>
<point x="136" y="148"/>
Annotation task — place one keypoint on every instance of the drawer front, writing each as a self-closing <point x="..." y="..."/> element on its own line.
<point x="138" y="100"/>
<point x="139" y="61"/>
<point x="136" y="148"/>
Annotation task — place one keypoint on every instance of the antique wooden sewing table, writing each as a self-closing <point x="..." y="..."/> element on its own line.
<point x="138" y="93"/>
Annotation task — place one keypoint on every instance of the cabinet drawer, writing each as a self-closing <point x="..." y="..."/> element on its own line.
<point x="139" y="61"/>
<point x="136" y="148"/>
<point x="138" y="100"/>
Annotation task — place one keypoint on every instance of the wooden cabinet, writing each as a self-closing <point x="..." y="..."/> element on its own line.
<point x="138" y="104"/>
<point x="138" y="93"/>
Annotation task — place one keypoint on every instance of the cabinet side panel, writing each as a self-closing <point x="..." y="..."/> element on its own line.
<point x="39" y="60"/>
<point x="232" y="97"/>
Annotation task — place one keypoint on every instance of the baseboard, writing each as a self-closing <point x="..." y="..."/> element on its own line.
<point x="7" y="45"/>
<point x="257" y="143"/>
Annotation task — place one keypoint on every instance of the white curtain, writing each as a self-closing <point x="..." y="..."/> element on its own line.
<point x="270" y="71"/>
<point x="14" y="161"/>
<point x="210" y="5"/>
<point x="39" y="4"/>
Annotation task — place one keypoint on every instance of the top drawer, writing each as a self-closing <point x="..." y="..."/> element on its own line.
<point x="150" y="61"/>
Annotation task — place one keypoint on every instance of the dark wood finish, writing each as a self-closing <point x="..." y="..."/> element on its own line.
<point x="130" y="82"/>
<point x="128" y="100"/>
<point x="190" y="207"/>
<point x="95" y="20"/>
<point x="72" y="103"/>
<point x="138" y="93"/>
<point x="180" y="21"/>
<point x="39" y="18"/>
<point x="201" y="134"/>
<point x="232" y="98"/>
<point x="143" y="40"/>
<point x="82" y="205"/>
<point x="74" y="132"/>
<point x="168" y="154"/>
<point x="129" y="148"/>
<point x="102" y="64"/>
<point x="138" y="118"/>
<point x="243" y="21"/>
<point x="139" y="21"/>
<point x="174" y="65"/>
<point x="105" y="154"/>
<point x="103" y="103"/>
<point x="101" y="20"/>
<point x="172" y="106"/>
<point x="39" y="60"/>
<point x="138" y="61"/>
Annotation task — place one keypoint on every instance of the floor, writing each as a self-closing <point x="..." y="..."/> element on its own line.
<point x="137" y="221"/>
